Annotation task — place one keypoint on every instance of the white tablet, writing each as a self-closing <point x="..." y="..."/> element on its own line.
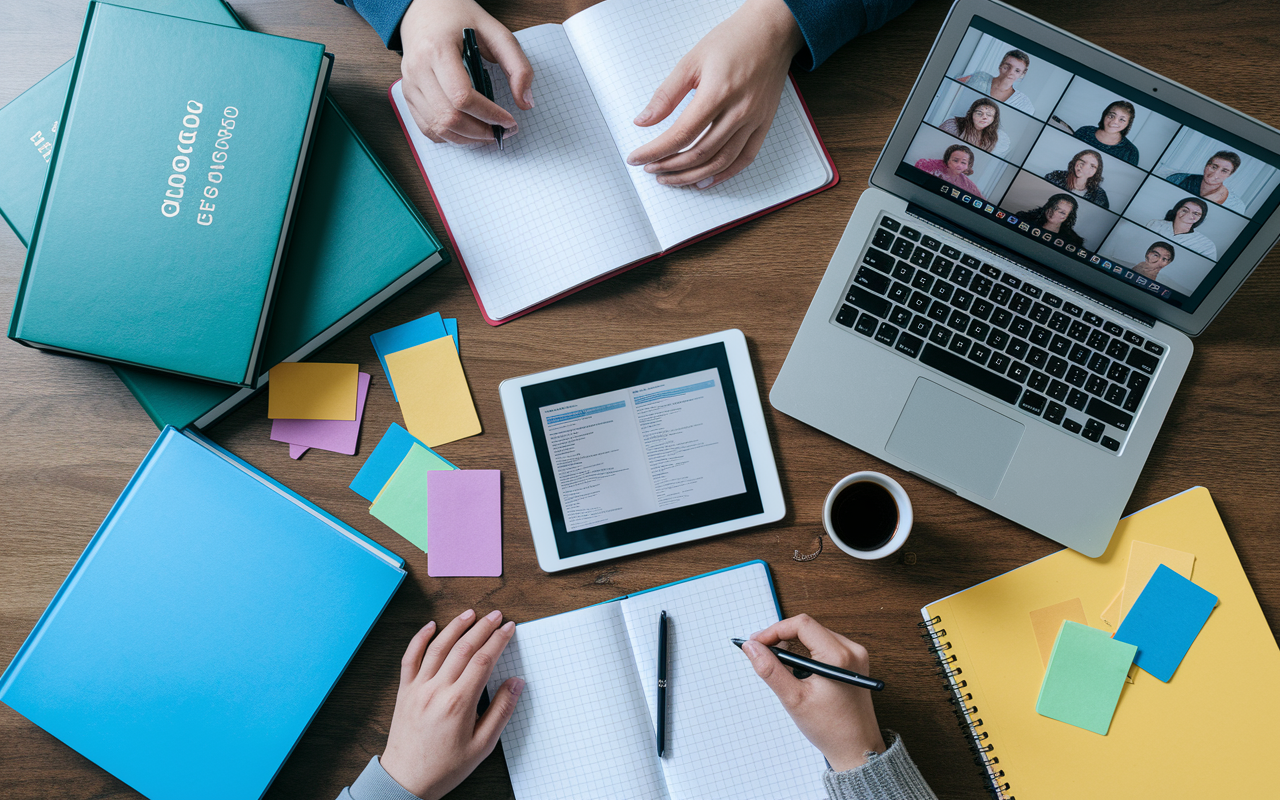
<point x="642" y="450"/>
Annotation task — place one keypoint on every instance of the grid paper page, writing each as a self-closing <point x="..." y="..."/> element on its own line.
<point x="579" y="730"/>
<point x="727" y="734"/>
<point x="627" y="48"/>
<point x="556" y="208"/>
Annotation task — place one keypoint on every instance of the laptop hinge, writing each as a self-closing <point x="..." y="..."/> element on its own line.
<point x="1048" y="274"/>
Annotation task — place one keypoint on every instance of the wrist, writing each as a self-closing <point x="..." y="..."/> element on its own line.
<point x="778" y="22"/>
<point x="855" y="752"/>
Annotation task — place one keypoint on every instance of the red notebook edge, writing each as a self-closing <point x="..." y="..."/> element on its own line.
<point x="457" y="253"/>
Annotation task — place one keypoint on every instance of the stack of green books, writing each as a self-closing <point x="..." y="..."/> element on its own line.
<point x="356" y="242"/>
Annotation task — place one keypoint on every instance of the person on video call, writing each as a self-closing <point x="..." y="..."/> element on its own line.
<point x="1013" y="67"/>
<point x="1180" y="223"/>
<point x="980" y="127"/>
<point x="1209" y="185"/>
<point x="437" y="739"/>
<point x="738" y="70"/>
<point x="1082" y="177"/>
<point x="1159" y="256"/>
<point x="955" y="167"/>
<point x="1058" y="216"/>
<point x="1111" y="134"/>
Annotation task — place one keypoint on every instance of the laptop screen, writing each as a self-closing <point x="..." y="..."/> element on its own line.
<point x="1066" y="156"/>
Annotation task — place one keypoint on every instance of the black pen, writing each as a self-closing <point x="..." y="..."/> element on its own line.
<point x="662" y="682"/>
<point x="479" y="75"/>
<point x="818" y="668"/>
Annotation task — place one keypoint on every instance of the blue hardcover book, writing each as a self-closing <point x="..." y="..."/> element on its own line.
<point x="202" y="627"/>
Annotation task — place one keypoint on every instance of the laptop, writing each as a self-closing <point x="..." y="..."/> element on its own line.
<point x="1008" y="313"/>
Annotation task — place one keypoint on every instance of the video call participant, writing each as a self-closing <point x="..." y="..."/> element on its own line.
<point x="1083" y="177"/>
<point x="1180" y="223"/>
<point x="1110" y="135"/>
<point x="1058" y="216"/>
<point x="1013" y="67"/>
<point x="1159" y="256"/>
<point x="954" y="167"/>
<point x="436" y="738"/>
<point x="738" y="70"/>
<point x="980" y="127"/>
<point x="1220" y="166"/>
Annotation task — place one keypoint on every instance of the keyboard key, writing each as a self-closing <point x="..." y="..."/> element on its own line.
<point x="981" y="285"/>
<point x="872" y="280"/>
<point x="1092" y="318"/>
<point x="1099" y="363"/>
<point x="1099" y="341"/>
<point x="1060" y="345"/>
<point x="982" y="309"/>
<point x="1143" y="361"/>
<point x="872" y="303"/>
<point x="920" y="325"/>
<point x="939" y="311"/>
<point x="1037" y="358"/>
<point x="1038" y="381"/>
<point x="1077" y="399"/>
<point x="1058" y="390"/>
<point x="962" y="275"/>
<point x="1118" y="372"/>
<point x="1011" y="281"/>
<point x="890" y="223"/>
<point x="999" y="362"/>
<point x="1057" y="368"/>
<point x="940" y="336"/>
<point x="1001" y="294"/>
<point x="1109" y="414"/>
<point x="942" y="291"/>
<point x="1153" y="348"/>
<point x="1054" y="413"/>
<point x="899" y="292"/>
<point x="1039" y="312"/>
<point x="879" y="261"/>
<point x="1078" y="331"/>
<point x="962" y="299"/>
<point x="919" y="301"/>
<point x="1032" y="402"/>
<point x="950" y="252"/>
<point x="1052" y="300"/>
<point x="1110" y="444"/>
<point x="1071" y="425"/>
<point x="904" y="272"/>
<point x="990" y="271"/>
<point x="1113" y="329"/>
<point x="911" y="233"/>
<point x="922" y="281"/>
<point x="979" y="353"/>
<point x="970" y="261"/>
<point x="1021" y="326"/>
<point x="847" y="316"/>
<point x="1041" y="335"/>
<point x="978" y="329"/>
<point x="941" y="267"/>
<point x="930" y="242"/>
<point x="969" y="373"/>
<point x="900" y="316"/>
<point x="1019" y="372"/>
<point x="959" y="321"/>
<point x="1033" y="291"/>
<point x="1093" y="430"/>
<point x="909" y="344"/>
<point x="1137" y="383"/>
<point x="902" y="248"/>
<point x="1077" y="376"/>
<point x="1117" y="349"/>
<point x="1079" y="354"/>
<point x="1017" y="348"/>
<point x="959" y="344"/>
<point x="866" y="325"/>
<point x="997" y="339"/>
<point x="1115" y="394"/>
<point x="1059" y="322"/>
<point x="883" y="239"/>
<point x="886" y="334"/>
<point x="1072" y="309"/>
<point x="1134" y="339"/>
<point x="1001" y="317"/>
<point x="1096" y="385"/>
<point x="921" y="258"/>
<point x="1020" y="303"/>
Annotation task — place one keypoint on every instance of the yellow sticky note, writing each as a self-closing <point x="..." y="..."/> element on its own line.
<point x="1111" y="614"/>
<point x="1143" y="560"/>
<point x="306" y="390"/>
<point x="1046" y="622"/>
<point x="434" y="397"/>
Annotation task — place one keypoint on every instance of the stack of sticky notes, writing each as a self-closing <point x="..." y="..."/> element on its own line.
<point x="317" y="405"/>
<point x="422" y="365"/>
<point x="453" y="515"/>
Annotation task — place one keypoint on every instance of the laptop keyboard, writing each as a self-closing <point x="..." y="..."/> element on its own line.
<point x="1005" y="336"/>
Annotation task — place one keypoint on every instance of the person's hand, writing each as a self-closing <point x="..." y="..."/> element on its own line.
<point x="436" y="85"/>
<point x="436" y="739"/>
<point x="838" y="718"/>
<point x="738" y="70"/>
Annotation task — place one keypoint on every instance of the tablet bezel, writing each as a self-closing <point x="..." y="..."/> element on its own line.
<point x="745" y="391"/>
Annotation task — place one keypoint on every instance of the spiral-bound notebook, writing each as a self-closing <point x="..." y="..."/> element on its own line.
<point x="1199" y="735"/>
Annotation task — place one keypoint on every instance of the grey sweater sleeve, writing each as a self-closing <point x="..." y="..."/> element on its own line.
<point x="891" y="775"/>
<point x="375" y="784"/>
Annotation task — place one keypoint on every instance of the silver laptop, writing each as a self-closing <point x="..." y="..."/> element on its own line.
<point x="1007" y="313"/>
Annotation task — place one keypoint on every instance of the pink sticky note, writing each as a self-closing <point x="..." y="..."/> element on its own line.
<point x="464" y="523"/>
<point x="335" y="435"/>
<point x="296" y="451"/>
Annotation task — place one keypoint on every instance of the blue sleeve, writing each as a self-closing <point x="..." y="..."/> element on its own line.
<point x="375" y="784"/>
<point x="828" y="24"/>
<point x="383" y="15"/>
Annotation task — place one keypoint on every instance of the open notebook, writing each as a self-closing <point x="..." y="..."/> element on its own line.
<point x="559" y="208"/>
<point x="584" y="727"/>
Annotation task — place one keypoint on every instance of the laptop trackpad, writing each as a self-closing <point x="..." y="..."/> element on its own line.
<point x="962" y="442"/>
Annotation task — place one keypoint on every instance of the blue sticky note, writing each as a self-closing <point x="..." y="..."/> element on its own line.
<point x="384" y="459"/>
<point x="410" y="334"/>
<point x="1165" y="620"/>
<point x="451" y="325"/>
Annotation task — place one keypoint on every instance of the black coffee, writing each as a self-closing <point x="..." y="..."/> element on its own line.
<point x="864" y="515"/>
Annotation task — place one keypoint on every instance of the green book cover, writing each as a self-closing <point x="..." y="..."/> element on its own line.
<point x="165" y="215"/>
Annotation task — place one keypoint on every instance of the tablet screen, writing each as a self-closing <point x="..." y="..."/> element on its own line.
<point x="642" y="450"/>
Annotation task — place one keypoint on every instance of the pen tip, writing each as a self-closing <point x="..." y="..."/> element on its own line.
<point x="738" y="642"/>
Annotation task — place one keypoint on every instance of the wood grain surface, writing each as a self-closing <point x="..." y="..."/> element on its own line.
<point x="71" y="435"/>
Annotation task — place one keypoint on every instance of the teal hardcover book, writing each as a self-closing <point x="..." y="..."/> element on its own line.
<point x="165" y="215"/>
<point x="202" y="628"/>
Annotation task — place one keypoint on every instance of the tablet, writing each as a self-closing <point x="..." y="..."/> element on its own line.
<point x="642" y="450"/>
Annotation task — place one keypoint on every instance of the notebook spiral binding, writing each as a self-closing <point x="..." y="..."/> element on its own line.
<point x="965" y="710"/>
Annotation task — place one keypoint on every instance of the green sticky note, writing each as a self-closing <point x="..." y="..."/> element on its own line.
<point x="1084" y="678"/>
<point x="402" y="503"/>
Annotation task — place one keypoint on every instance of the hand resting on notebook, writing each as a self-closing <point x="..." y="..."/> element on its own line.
<point x="839" y="719"/>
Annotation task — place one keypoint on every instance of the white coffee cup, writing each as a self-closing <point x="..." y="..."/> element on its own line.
<point x="900" y="532"/>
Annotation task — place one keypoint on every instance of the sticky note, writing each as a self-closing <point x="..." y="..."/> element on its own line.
<point x="402" y="503"/>
<point x="1046" y="622"/>
<point x="434" y="397"/>
<point x="1165" y="620"/>
<point x="334" y="435"/>
<point x="1143" y="560"/>
<point x="296" y="451"/>
<point x="465" y="519"/>
<point x="411" y="334"/>
<point x="451" y="325"/>
<point x="1111" y="614"/>
<point x="1085" y="676"/>
<point x="306" y="390"/>
<point x="384" y="460"/>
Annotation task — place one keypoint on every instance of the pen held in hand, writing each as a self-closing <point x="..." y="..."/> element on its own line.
<point x="808" y="665"/>
<point x="479" y="75"/>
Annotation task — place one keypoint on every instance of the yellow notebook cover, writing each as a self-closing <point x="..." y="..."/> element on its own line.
<point x="1208" y="732"/>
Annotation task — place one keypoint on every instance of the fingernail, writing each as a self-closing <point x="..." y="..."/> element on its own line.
<point x="494" y="615"/>
<point x="633" y="161"/>
<point x="650" y="167"/>
<point x="643" y="117"/>
<point x="528" y="97"/>
<point x="517" y="687"/>
<point x="705" y="182"/>
<point x="468" y="614"/>
<point x="510" y="626"/>
<point x="755" y="635"/>
<point x="752" y="649"/>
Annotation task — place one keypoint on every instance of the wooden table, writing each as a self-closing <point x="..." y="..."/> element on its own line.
<point x="71" y="435"/>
